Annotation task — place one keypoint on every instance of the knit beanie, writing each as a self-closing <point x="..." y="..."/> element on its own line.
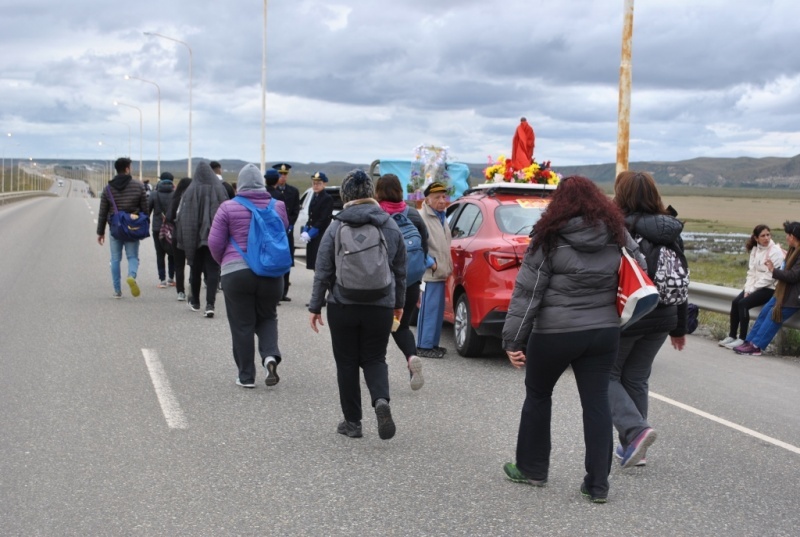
<point x="272" y="176"/>
<point x="250" y="179"/>
<point x="357" y="185"/>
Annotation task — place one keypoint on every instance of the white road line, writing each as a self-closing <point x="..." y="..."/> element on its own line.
<point x="169" y="404"/>
<point x="745" y="430"/>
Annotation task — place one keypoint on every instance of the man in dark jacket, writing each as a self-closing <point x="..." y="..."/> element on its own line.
<point x="320" y="213"/>
<point x="130" y="196"/>
<point x="157" y="205"/>
<point x="196" y="213"/>
<point x="291" y="197"/>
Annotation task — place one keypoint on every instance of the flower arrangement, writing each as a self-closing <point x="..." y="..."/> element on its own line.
<point x="501" y="170"/>
<point x="429" y="165"/>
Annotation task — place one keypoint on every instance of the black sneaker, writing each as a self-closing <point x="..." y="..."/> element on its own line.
<point x="350" y="428"/>
<point x="429" y="353"/>
<point x="286" y="299"/>
<point x="593" y="499"/>
<point x="386" y="427"/>
<point x="442" y="350"/>
<point x="194" y="307"/>
<point x="209" y="311"/>
<point x="270" y="368"/>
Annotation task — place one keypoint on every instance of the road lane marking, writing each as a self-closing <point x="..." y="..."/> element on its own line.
<point x="721" y="421"/>
<point x="169" y="404"/>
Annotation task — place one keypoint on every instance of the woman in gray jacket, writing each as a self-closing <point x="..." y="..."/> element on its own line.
<point x="563" y="312"/>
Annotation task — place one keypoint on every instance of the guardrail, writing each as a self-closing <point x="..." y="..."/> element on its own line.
<point x="718" y="299"/>
<point x="9" y="197"/>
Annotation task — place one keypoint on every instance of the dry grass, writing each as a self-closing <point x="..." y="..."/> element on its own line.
<point x="721" y="214"/>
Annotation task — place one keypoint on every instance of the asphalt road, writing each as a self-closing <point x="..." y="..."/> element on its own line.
<point x="121" y="417"/>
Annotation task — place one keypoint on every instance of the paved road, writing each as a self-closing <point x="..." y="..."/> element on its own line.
<point x="87" y="448"/>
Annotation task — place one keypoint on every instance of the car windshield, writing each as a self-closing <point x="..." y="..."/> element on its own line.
<point x="516" y="219"/>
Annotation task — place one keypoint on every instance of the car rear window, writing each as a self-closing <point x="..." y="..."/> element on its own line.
<point x="516" y="218"/>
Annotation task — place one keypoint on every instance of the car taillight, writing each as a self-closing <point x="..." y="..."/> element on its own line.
<point x="502" y="260"/>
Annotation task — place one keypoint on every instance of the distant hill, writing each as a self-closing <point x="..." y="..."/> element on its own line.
<point x="702" y="172"/>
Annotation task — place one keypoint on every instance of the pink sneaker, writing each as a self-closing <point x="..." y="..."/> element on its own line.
<point x="743" y="348"/>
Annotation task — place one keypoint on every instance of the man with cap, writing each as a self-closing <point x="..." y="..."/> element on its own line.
<point x="291" y="197"/>
<point x="431" y="309"/>
<point x="320" y="213"/>
<point x="157" y="205"/>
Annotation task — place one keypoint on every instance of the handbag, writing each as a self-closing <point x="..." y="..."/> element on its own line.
<point x="636" y="294"/>
<point x="128" y="227"/>
<point x="166" y="236"/>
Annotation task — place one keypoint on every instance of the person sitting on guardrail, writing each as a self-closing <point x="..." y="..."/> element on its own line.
<point x="784" y="303"/>
<point x="759" y="285"/>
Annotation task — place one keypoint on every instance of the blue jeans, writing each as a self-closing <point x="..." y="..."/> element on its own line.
<point x="765" y="328"/>
<point x="131" y="252"/>
<point x="431" y="315"/>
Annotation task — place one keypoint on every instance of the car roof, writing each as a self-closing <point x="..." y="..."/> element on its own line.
<point x="509" y="192"/>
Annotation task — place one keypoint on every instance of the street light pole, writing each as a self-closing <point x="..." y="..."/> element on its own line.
<point x="264" y="96"/>
<point x="117" y="103"/>
<point x="158" y="90"/>
<point x="189" y="162"/>
<point x="624" y="109"/>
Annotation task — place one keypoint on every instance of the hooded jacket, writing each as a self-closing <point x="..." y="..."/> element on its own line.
<point x="652" y="231"/>
<point x="158" y="203"/>
<point x="198" y="207"/>
<point x="359" y="212"/>
<point x="573" y="287"/>
<point x="129" y="195"/>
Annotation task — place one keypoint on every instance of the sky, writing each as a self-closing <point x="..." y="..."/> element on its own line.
<point x="359" y="80"/>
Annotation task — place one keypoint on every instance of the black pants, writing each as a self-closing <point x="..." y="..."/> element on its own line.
<point x="359" y="335"/>
<point x="160" y="254"/>
<point x="204" y="264"/>
<point x="251" y="303"/>
<point x="286" y="283"/>
<point x="591" y="353"/>
<point x="403" y="336"/>
<point x="180" y="270"/>
<point x="740" y="309"/>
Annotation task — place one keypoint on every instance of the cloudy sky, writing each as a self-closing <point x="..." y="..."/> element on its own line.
<point x="356" y="80"/>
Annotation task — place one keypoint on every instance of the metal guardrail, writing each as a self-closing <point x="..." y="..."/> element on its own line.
<point x="10" y="197"/>
<point x="718" y="299"/>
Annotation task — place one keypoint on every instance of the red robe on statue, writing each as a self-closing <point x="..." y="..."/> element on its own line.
<point x="522" y="146"/>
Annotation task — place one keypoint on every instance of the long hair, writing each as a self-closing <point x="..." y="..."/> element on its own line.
<point x="752" y="240"/>
<point x="577" y="196"/>
<point x="183" y="184"/>
<point x="636" y="192"/>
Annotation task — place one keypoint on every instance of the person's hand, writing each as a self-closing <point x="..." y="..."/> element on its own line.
<point x="678" y="342"/>
<point x="434" y="267"/>
<point x="305" y="237"/>
<point x="314" y="319"/>
<point x="101" y="239"/>
<point x="517" y="358"/>
<point x="769" y="265"/>
<point x="398" y="314"/>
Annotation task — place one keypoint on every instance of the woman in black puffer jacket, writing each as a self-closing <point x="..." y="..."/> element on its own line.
<point x="653" y="226"/>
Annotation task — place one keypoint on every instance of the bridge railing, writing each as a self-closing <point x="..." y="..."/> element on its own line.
<point x="718" y="299"/>
<point x="9" y="197"/>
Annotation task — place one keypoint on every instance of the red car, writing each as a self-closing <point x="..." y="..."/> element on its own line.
<point x="490" y="224"/>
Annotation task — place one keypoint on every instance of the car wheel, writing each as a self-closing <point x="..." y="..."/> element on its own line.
<point x="468" y="342"/>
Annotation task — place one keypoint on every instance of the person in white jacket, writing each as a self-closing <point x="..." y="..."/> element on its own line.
<point x="759" y="285"/>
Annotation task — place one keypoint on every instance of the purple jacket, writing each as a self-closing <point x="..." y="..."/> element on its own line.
<point x="233" y="220"/>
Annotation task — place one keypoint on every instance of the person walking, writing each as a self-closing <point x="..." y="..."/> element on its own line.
<point x="431" y="309"/>
<point x="179" y="254"/>
<point x="320" y="213"/>
<point x="653" y="226"/>
<point x="291" y="197"/>
<point x="389" y="194"/>
<point x="360" y="320"/>
<point x="784" y="303"/>
<point x="251" y="301"/>
<point x="759" y="286"/>
<point x="130" y="196"/>
<point x="157" y="206"/>
<point x="563" y="313"/>
<point x="198" y="206"/>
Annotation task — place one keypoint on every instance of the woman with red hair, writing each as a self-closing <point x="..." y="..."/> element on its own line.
<point x="563" y="313"/>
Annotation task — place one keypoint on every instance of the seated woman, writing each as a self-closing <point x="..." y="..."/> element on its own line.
<point x="759" y="285"/>
<point x="784" y="302"/>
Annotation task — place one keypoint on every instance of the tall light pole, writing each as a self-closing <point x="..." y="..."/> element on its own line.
<point x="129" y="133"/>
<point x="624" y="109"/>
<point x="117" y="103"/>
<point x="158" y="90"/>
<point x="264" y="96"/>
<point x="185" y="44"/>
<point x="3" y="181"/>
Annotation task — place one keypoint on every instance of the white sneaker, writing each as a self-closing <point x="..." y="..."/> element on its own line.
<point x="415" y="366"/>
<point x="727" y="340"/>
<point x="733" y="344"/>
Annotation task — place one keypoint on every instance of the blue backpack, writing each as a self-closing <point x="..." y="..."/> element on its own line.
<point x="415" y="256"/>
<point x="267" y="244"/>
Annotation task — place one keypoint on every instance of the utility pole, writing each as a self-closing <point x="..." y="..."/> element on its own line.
<point x="624" y="110"/>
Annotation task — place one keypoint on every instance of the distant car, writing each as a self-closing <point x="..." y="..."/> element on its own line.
<point x="490" y="225"/>
<point x="305" y="201"/>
